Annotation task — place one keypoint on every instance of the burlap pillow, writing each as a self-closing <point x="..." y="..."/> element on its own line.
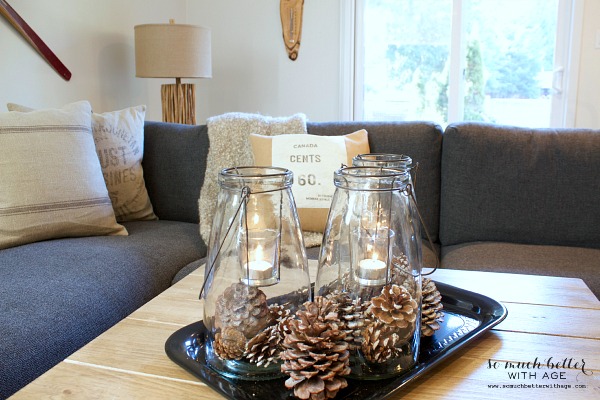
<point x="119" y="140"/>
<point x="313" y="160"/>
<point x="51" y="183"/>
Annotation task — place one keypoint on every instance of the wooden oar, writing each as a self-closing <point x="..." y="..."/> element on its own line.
<point x="38" y="44"/>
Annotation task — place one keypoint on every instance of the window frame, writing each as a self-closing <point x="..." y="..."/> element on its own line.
<point x="565" y="77"/>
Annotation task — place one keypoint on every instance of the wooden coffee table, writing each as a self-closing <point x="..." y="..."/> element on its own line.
<point x="548" y="318"/>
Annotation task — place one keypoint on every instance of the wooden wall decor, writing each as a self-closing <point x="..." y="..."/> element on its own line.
<point x="291" y="25"/>
<point x="34" y="40"/>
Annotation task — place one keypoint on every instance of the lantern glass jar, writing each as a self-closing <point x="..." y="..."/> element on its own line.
<point x="256" y="271"/>
<point x="402" y="163"/>
<point x="370" y="264"/>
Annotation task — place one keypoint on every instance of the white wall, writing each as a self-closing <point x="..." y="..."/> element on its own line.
<point x="251" y="71"/>
<point x="94" y="39"/>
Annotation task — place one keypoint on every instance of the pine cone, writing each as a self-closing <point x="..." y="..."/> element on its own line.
<point x="395" y="307"/>
<point x="242" y="307"/>
<point x="431" y="308"/>
<point x="264" y="348"/>
<point x="402" y="275"/>
<point x="351" y="314"/>
<point x="381" y="342"/>
<point x="316" y="355"/>
<point x="230" y="344"/>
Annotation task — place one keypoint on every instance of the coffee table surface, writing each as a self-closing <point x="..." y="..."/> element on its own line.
<point x="553" y="324"/>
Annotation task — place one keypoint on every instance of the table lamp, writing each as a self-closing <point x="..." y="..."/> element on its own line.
<point x="174" y="51"/>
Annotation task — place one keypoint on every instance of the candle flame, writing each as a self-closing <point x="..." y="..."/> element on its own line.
<point x="374" y="255"/>
<point x="258" y="253"/>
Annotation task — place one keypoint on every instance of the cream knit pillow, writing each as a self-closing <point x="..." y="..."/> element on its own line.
<point x="51" y="183"/>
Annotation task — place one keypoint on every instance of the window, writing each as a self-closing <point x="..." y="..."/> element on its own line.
<point x="501" y="61"/>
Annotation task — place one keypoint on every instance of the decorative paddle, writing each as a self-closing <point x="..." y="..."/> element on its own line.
<point x="291" y="24"/>
<point x="38" y="44"/>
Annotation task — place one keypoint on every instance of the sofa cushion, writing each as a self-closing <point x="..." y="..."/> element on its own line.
<point x="572" y="262"/>
<point x="230" y="147"/>
<point x="50" y="177"/>
<point x="508" y="184"/>
<point x="174" y="168"/>
<point x="119" y="139"/>
<point x="57" y="295"/>
<point x="420" y="140"/>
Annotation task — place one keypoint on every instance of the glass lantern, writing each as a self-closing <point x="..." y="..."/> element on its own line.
<point x="370" y="263"/>
<point x="256" y="272"/>
<point x="400" y="162"/>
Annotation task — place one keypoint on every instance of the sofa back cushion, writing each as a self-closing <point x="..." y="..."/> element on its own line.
<point x="174" y="166"/>
<point x="420" y="140"/>
<point x="175" y="162"/>
<point x="508" y="184"/>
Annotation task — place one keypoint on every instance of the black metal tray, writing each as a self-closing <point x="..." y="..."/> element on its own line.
<point x="467" y="316"/>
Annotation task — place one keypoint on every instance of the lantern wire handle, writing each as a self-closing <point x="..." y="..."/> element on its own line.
<point x="409" y="192"/>
<point x="243" y="202"/>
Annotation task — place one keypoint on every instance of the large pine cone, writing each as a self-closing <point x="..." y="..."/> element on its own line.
<point x="431" y="308"/>
<point x="242" y="307"/>
<point x="395" y="307"/>
<point x="381" y="342"/>
<point x="230" y="344"/>
<point x="316" y="355"/>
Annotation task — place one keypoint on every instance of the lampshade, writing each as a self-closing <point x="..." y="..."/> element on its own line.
<point x="172" y="51"/>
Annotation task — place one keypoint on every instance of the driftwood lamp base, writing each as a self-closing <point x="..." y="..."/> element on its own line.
<point x="179" y="103"/>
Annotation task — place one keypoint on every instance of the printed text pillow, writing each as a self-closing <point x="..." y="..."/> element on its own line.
<point x="313" y="159"/>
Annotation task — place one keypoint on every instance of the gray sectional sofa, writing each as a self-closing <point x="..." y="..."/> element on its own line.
<point x="494" y="198"/>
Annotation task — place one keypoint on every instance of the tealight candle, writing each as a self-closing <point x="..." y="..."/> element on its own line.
<point x="371" y="269"/>
<point x="259" y="270"/>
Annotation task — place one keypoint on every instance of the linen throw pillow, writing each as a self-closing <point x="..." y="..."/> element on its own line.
<point x="119" y="140"/>
<point x="313" y="160"/>
<point x="51" y="183"/>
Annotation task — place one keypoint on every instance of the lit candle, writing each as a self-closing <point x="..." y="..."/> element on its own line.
<point x="259" y="269"/>
<point x="371" y="269"/>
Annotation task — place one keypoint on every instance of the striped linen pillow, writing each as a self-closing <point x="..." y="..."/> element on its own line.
<point x="51" y="183"/>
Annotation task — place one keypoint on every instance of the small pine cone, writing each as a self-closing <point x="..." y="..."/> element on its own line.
<point x="316" y="355"/>
<point x="263" y="349"/>
<point x="381" y="342"/>
<point x="395" y="307"/>
<point x="242" y="307"/>
<point x="351" y="314"/>
<point x="431" y="308"/>
<point x="401" y="262"/>
<point x="276" y="314"/>
<point x="402" y="275"/>
<point x="230" y="344"/>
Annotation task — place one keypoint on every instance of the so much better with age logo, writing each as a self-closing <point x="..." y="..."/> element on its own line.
<point x="545" y="373"/>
